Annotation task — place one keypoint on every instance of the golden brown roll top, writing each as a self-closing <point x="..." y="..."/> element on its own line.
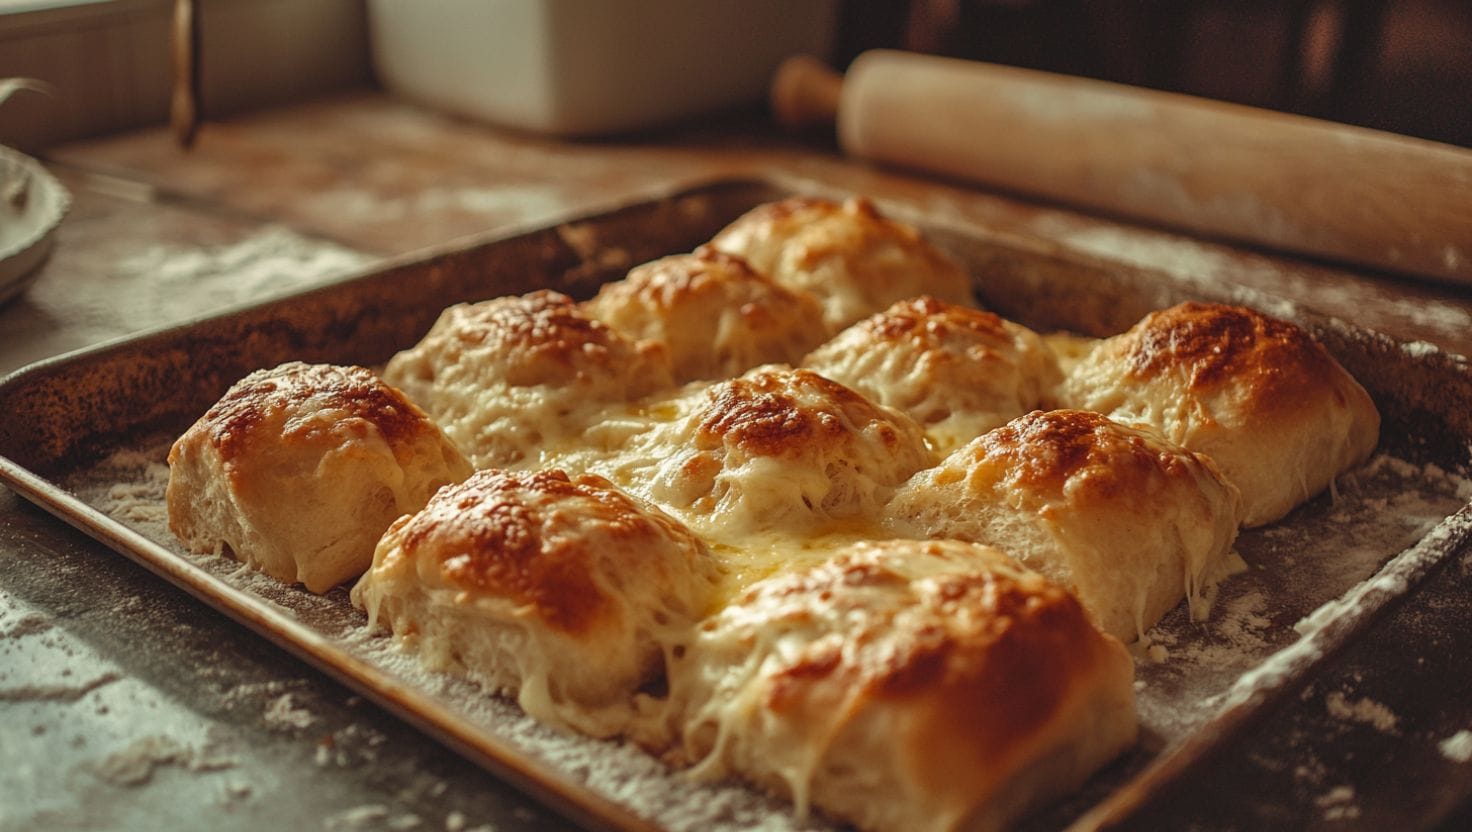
<point x="1127" y="520"/>
<point x="957" y="371"/>
<point x="779" y="448"/>
<point x="505" y="376"/>
<point x="562" y="591"/>
<point x="854" y="260"/>
<point x="906" y="685"/>
<point x="299" y="469"/>
<point x="716" y="315"/>
<point x="1258" y="395"/>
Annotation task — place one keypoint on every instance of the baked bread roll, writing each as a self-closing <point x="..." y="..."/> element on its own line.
<point x="855" y="261"/>
<point x="777" y="449"/>
<point x="906" y="686"/>
<point x="1126" y="520"/>
<point x="716" y="315"/>
<point x="563" y="592"/>
<point x="512" y="377"/>
<point x="299" y="469"/>
<point x="1258" y="395"/>
<point x="959" y="372"/>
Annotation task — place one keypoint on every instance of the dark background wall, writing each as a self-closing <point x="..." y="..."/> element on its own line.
<point x="1402" y="66"/>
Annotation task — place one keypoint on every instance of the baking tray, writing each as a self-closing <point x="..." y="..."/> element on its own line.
<point x="83" y="435"/>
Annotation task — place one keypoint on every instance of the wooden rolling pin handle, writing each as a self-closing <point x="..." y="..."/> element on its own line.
<point x="805" y="93"/>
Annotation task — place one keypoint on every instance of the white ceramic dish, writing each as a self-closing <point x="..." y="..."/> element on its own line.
<point x="576" y="68"/>
<point x="32" y="205"/>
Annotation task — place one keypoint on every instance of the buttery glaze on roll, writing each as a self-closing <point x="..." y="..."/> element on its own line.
<point x="297" y="470"/>
<point x="1258" y="395"/>
<point x="716" y="315"/>
<point x="779" y="449"/>
<point x="959" y="372"/>
<point x="1128" y="521"/>
<point x="906" y="686"/>
<point x="561" y="591"/>
<point x="854" y="260"/>
<point x="507" y="376"/>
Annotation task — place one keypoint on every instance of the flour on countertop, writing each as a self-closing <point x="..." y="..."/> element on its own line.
<point x="370" y="816"/>
<point x="358" y="817"/>
<point x="283" y="714"/>
<point x="135" y="764"/>
<point x="272" y="261"/>
<point x="528" y="204"/>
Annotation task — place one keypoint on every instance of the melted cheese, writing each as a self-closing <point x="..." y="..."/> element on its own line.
<point x="507" y="377"/>
<point x="716" y="316"/>
<point x="749" y="559"/>
<point x="561" y="590"/>
<point x="888" y="655"/>
<point x="958" y="372"/>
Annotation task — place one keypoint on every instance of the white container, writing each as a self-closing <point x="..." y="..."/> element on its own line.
<point x="587" y="67"/>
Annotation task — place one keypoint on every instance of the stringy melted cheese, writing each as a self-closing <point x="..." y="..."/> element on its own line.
<point x="562" y="591"/>
<point x="507" y="376"/>
<point x="868" y="684"/>
<point x="958" y="372"/>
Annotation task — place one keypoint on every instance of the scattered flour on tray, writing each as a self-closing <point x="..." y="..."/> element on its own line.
<point x="1366" y="711"/>
<point x="1457" y="747"/>
<point x="1338" y="804"/>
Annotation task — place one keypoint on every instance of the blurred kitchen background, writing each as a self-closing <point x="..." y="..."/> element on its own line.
<point x="1403" y="66"/>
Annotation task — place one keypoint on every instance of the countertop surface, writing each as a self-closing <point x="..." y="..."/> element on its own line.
<point x="124" y="703"/>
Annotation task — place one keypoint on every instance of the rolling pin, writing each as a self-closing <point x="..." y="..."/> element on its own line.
<point x="1298" y="184"/>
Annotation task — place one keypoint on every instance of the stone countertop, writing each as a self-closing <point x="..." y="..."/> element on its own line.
<point x="124" y="703"/>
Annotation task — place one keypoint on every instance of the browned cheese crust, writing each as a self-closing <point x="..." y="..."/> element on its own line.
<point x="558" y="589"/>
<point x="856" y="261"/>
<point x="1259" y="395"/>
<point x="716" y="315"/>
<point x="528" y="538"/>
<point x="957" y="371"/>
<point x="507" y="375"/>
<point x="1124" y="518"/>
<point x="907" y="685"/>
<point x="782" y="448"/>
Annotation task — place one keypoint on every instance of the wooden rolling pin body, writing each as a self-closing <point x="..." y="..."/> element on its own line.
<point x="1290" y="182"/>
